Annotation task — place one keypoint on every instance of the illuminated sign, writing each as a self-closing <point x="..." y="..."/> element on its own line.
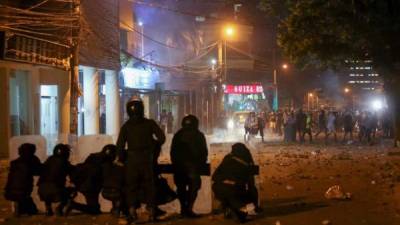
<point x="244" y="89"/>
<point x="139" y="78"/>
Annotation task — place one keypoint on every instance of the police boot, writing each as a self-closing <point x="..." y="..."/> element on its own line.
<point x="132" y="217"/>
<point x="49" y="210"/>
<point x="240" y="215"/>
<point x="116" y="209"/>
<point x="17" y="209"/>
<point x="152" y="213"/>
<point x="192" y="195"/>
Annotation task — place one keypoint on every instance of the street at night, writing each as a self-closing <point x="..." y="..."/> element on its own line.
<point x="200" y="111"/>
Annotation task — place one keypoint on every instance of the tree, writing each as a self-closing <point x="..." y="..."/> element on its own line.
<point x="327" y="33"/>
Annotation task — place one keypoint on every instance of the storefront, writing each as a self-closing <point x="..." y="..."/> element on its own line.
<point x="144" y="83"/>
<point x="245" y="97"/>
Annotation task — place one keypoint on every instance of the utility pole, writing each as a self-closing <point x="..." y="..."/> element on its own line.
<point x="74" y="76"/>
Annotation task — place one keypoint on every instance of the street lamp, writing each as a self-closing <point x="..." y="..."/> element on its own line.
<point x="229" y="31"/>
<point x="275" y="105"/>
<point x="140" y="23"/>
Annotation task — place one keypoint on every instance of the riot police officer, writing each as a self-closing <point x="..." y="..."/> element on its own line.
<point x="87" y="179"/>
<point x="139" y="132"/>
<point x="188" y="154"/>
<point x="53" y="179"/>
<point x="234" y="183"/>
<point x="19" y="184"/>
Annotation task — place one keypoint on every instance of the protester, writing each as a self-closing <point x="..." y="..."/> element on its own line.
<point x="188" y="154"/>
<point x="138" y="133"/>
<point x="250" y="126"/>
<point x="348" y="125"/>
<point x="19" y="184"/>
<point x="261" y="126"/>
<point x="308" y="127"/>
<point x="321" y="124"/>
<point x="301" y="120"/>
<point x="233" y="182"/>
<point x="362" y="125"/>
<point x="170" y="122"/>
<point x="290" y="128"/>
<point x="279" y="122"/>
<point x="53" y="178"/>
<point x="164" y="120"/>
<point x="331" y="126"/>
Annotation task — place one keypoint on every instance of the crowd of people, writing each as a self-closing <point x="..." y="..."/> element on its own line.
<point x="297" y="125"/>
<point x="130" y="177"/>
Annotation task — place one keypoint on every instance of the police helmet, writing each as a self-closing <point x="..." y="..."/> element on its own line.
<point x="241" y="151"/>
<point x="62" y="150"/>
<point x="190" y="121"/>
<point x="135" y="108"/>
<point x="27" y="149"/>
<point x="110" y="151"/>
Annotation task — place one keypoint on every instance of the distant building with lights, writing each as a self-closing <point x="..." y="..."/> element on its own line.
<point x="362" y="77"/>
<point x="363" y="82"/>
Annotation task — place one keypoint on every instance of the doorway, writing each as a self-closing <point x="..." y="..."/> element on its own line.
<point x="49" y="114"/>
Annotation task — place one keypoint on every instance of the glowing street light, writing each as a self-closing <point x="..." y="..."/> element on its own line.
<point x="229" y="31"/>
<point x="346" y="90"/>
<point x="140" y="23"/>
<point x="285" y="66"/>
<point x="310" y="94"/>
<point x="213" y="62"/>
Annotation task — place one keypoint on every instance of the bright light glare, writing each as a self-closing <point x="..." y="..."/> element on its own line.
<point x="311" y="94"/>
<point x="346" y="90"/>
<point x="213" y="61"/>
<point x="229" y="31"/>
<point x="140" y="23"/>
<point x="230" y="124"/>
<point x="377" y="105"/>
<point x="285" y="66"/>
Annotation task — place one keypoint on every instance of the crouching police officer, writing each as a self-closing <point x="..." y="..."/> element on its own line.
<point x="234" y="182"/>
<point x="88" y="179"/>
<point x="19" y="184"/>
<point x="113" y="181"/>
<point x="53" y="179"/>
<point x="139" y="132"/>
<point x="188" y="154"/>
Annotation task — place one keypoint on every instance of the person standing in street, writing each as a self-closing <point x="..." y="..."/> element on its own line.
<point x="348" y="125"/>
<point x="331" y="126"/>
<point x="308" y="127"/>
<point x="188" y="155"/>
<point x="321" y="124"/>
<point x="138" y="133"/>
<point x="301" y="124"/>
<point x="170" y="123"/>
<point x="164" y="120"/>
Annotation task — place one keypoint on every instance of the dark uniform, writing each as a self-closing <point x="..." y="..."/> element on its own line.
<point x="87" y="179"/>
<point x="20" y="180"/>
<point x="113" y="182"/>
<point x="53" y="178"/>
<point x="188" y="154"/>
<point x="234" y="182"/>
<point x="138" y="133"/>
